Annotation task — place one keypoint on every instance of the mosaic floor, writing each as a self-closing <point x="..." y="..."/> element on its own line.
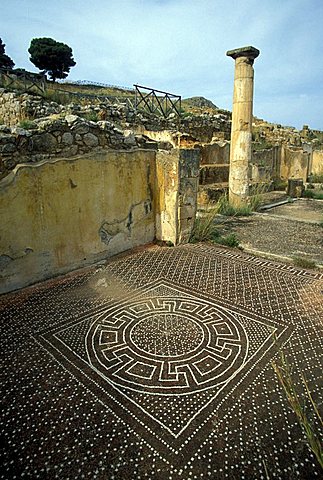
<point x="158" y="365"/>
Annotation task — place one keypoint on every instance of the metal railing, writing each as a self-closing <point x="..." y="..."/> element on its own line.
<point x="26" y="81"/>
<point x="157" y="101"/>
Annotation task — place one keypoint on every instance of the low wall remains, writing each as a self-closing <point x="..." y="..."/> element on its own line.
<point x="63" y="137"/>
<point x="15" y="108"/>
<point x="177" y="173"/>
<point x="294" y="163"/>
<point x="317" y="162"/>
<point x="66" y="213"/>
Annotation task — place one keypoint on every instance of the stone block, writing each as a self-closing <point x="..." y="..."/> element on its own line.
<point x="67" y="138"/>
<point x="90" y="140"/>
<point x="295" y="187"/>
<point x="8" y="148"/>
<point x="81" y="128"/>
<point x="45" y="142"/>
<point x="189" y="161"/>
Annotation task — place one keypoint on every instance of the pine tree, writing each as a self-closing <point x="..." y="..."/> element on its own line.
<point x="53" y="57"/>
<point x="5" y="61"/>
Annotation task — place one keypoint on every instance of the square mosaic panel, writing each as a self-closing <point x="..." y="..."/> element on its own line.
<point x="167" y="360"/>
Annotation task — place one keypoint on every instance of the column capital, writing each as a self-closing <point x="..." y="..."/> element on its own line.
<point x="249" y="52"/>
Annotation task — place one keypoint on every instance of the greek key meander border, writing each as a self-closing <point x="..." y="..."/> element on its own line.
<point x="195" y="434"/>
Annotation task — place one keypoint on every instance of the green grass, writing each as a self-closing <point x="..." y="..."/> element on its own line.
<point x="284" y="373"/>
<point x="229" y="240"/>
<point x="316" y="178"/>
<point x="303" y="262"/>
<point x="204" y="228"/>
<point x="224" y="207"/>
<point x="27" y="124"/>
<point x="61" y="98"/>
<point x="313" y="194"/>
<point x="91" y="116"/>
<point x="246" y="208"/>
<point x="279" y="185"/>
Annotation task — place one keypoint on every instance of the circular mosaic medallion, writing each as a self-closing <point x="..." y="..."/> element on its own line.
<point x="167" y="335"/>
<point x="167" y="344"/>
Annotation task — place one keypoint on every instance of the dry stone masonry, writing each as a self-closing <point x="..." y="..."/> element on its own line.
<point x="62" y="136"/>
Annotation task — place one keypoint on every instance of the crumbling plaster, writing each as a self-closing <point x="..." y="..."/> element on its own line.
<point x="66" y="213"/>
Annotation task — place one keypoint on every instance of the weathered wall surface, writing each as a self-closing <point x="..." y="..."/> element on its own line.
<point x="15" y="108"/>
<point x="177" y="186"/>
<point x="189" y="168"/>
<point x="60" y="215"/>
<point x="216" y="153"/>
<point x="294" y="163"/>
<point x="265" y="165"/>
<point x="60" y="137"/>
<point x="317" y="162"/>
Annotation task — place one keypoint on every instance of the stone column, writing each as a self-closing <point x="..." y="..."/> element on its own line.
<point x="177" y="179"/>
<point x="241" y="135"/>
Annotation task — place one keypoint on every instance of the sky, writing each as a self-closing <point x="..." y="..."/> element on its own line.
<point x="180" y="46"/>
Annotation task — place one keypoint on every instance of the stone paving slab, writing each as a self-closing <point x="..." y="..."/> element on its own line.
<point x="158" y="365"/>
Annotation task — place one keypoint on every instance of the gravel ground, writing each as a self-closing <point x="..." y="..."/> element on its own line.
<point x="290" y="230"/>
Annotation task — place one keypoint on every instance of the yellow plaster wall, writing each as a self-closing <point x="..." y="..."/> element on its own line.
<point x="317" y="162"/>
<point x="294" y="163"/>
<point x="60" y="215"/>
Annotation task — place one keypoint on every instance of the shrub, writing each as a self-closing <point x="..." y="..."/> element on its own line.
<point x="279" y="184"/>
<point x="204" y="228"/>
<point x="313" y="194"/>
<point x="229" y="240"/>
<point x="27" y="124"/>
<point x="316" y="178"/>
<point x="224" y="207"/>
<point x="308" y="194"/>
<point x="91" y="116"/>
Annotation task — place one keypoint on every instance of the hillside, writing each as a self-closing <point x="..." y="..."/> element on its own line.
<point x="198" y="114"/>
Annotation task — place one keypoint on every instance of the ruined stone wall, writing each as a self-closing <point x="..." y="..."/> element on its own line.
<point x="278" y="162"/>
<point x="60" y="137"/>
<point x="60" y="215"/>
<point x="294" y="163"/>
<point x="15" y="108"/>
<point x="281" y="162"/>
<point x="317" y="162"/>
<point x="177" y="173"/>
<point x="264" y="165"/>
<point x="216" y="153"/>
